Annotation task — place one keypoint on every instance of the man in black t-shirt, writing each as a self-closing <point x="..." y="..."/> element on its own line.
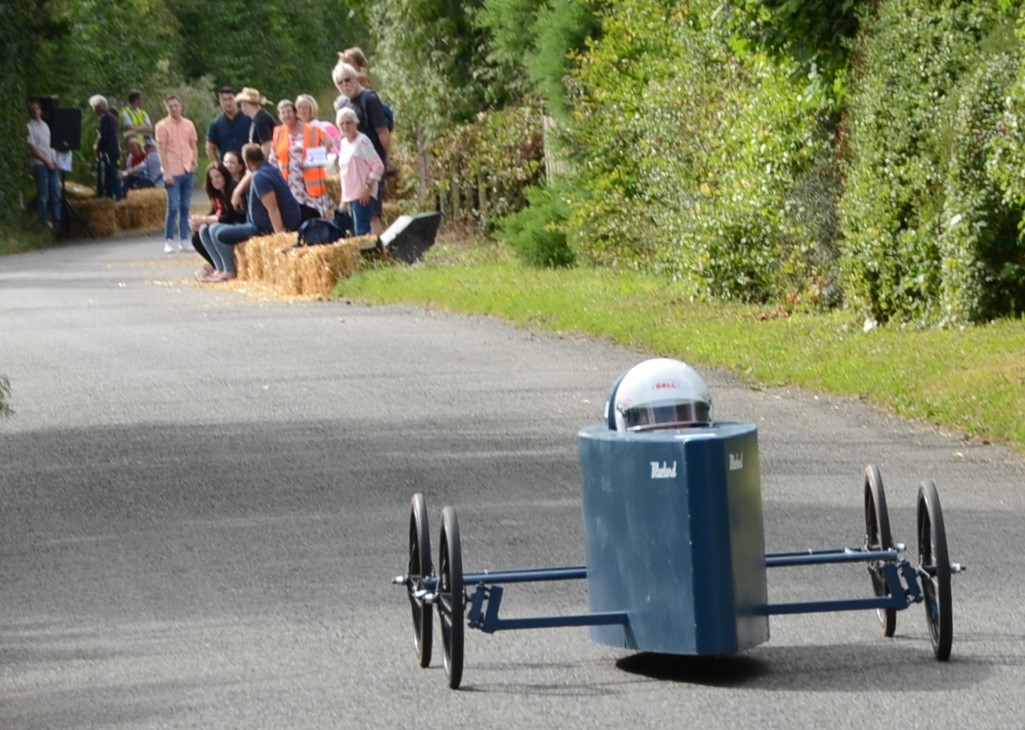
<point x="262" y="130"/>
<point x="229" y="130"/>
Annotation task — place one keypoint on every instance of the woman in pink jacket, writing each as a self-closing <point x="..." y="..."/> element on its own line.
<point x="360" y="169"/>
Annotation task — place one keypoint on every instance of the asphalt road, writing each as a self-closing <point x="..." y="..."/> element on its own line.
<point x="204" y="496"/>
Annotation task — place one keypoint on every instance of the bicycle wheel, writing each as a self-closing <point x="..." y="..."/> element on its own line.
<point x="878" y="537"/>
<point x="451" y="599"/>
<point x="417" y="570"/>
<point x="934" y="570"/>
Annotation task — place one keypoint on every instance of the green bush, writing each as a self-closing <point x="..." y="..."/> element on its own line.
<point x="14" y="161"/>
<point x="537" y="233"/>
<point x="982" y="274"/>
<point x="477" y="174"/>
<point x="694" y="151"/>
<point x="919" y="219"/>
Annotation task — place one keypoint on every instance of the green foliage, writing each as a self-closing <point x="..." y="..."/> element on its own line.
<point x="694" y="155"/>
<point x="480" y="170"/>
<point x="100" y="47"/>
<point x="281" y="48"/>
<point x="538" y="232"/>
<point x="912" y="216"/>
<point x="429" y="59"/>
<point x="814" y="33"/>
<point x="982" y="257"/>
<point x="13" y="116"/>
<point x="537" y="41"/>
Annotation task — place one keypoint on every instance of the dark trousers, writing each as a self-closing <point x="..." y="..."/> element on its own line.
<point x="108" y="179"/>
<point x="197" y="243"/>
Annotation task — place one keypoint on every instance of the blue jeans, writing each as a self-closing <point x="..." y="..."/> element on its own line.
<point x="48" y="193"/>
<point x="361" y="215"/>
<point x="219" y="238"/>
<point x="179" y="195"/>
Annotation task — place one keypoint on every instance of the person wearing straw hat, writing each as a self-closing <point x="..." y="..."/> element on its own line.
<point x="262" y="130"/>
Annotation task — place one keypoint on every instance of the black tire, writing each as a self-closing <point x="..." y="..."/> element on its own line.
<point x="934" y="570"/>
<point x="418" y="569"/>
<point x="451" y="599"/>
<point x="878" y="537"/>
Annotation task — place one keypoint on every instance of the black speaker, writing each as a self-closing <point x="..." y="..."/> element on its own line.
<point x="66" y="130"/>
<point x="410" y="235"/>
<point x="48" y="105"/>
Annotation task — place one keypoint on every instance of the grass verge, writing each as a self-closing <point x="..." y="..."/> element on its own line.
<point x="27" y="237"/>
<point x="969" y="380"/>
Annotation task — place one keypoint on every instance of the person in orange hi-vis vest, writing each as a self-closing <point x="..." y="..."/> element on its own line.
<point x="299" y="150"/>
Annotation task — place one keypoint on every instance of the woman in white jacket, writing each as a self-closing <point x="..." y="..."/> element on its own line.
<point x="360" y="169"/>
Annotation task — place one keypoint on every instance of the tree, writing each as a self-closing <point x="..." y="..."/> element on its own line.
<point x="281" y="48"/>
<point x="13" y="159"/>
<point x="536" y="42"/>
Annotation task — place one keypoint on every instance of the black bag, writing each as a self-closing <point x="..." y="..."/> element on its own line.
<point x="318" y="231"/>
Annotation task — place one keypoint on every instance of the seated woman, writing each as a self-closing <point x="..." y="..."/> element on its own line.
<point x="219" y="187"/>
<point x="144" y="172"/>
<point x="134" y="152"/>
<point x="360" y="169"/>
<point x="299" y="151"/>
<point x="233" y="163"/>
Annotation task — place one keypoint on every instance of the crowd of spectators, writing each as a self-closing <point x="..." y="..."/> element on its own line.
<point x="265" y="175"/>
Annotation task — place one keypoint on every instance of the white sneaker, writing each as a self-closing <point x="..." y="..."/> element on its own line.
<point x="168" y="246"/>
<point x="185" y="245"/>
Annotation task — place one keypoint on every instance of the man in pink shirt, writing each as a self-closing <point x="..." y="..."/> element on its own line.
<point x="179" y="159"/>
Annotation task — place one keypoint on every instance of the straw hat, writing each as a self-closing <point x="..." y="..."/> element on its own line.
<point x="251" y="95"/>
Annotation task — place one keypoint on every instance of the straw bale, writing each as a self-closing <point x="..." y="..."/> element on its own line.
<point x="334" y="187"/>
<point x="99" y="214"/>
<point x="274" y="261"/>
<point x="77" y="191"/>
<point x="142" y="209"/>
<point x="285" y="274"/>
<point x="319" y="268"/>
<point x="256" y="259"/>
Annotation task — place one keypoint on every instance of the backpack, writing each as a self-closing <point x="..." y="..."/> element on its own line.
<point x="389" y="115"/>
<point x="317" y="231"/>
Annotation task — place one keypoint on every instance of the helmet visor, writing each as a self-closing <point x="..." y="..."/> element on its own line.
<point x="645" y="418"/>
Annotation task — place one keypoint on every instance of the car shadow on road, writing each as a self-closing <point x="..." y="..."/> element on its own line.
<point x="823" y="668"/>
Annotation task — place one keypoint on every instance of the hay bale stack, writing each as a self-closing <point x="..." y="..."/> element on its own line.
<point x="256" y="259"/>
<point x="319" y="268"/>
<point x="305" y="271"/>
<point x="99" y="214"/>
<point x="334" y="187"/>
<point x="77" y="191"/>
<point x="142" y="209"/>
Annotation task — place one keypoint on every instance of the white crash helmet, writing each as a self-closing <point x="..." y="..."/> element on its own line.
<point x="659" y="394"/>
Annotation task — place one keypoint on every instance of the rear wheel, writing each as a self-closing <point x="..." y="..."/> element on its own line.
<point x="451" y="599"/>
<point x="417" y="570"/>
<point x="878" y="537"/>
<point x="934" y="570"/>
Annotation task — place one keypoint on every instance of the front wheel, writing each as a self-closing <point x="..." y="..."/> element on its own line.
<point x="418" y="569"/>
<point x="451" y="599"/>
<point x="878" y="537"/>
<point x="934" y="570"/>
